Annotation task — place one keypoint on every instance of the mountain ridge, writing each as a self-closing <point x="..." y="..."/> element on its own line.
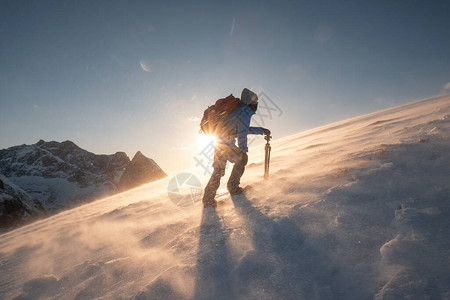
<point x="61" y="175"/>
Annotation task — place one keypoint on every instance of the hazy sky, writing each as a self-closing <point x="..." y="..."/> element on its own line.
<point x="136" y="75"/>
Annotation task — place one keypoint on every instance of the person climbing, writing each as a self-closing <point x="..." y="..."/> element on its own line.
<point x="238" y="123"/>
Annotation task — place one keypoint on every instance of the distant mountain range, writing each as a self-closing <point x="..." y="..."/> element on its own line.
<point x="48" y="177"/>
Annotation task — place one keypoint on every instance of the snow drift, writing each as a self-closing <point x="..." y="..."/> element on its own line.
<point x="354" y="210"/>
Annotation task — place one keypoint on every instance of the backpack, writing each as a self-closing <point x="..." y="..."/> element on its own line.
<point x="213" y="121"/>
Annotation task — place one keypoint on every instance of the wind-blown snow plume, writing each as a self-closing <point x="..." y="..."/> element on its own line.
<point x="354" y="210"/>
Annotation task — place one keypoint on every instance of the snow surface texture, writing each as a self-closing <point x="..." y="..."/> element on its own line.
<point x="353" y="210"/>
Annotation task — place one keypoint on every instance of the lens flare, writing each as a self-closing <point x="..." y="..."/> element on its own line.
<point x="205" y="141"/>
<point x="145" y="65"/>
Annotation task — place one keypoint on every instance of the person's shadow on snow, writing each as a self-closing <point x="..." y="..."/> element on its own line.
<point x="282" y="265"/>
<point x="213" y="267"/>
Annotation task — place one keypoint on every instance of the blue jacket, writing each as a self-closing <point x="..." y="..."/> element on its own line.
<point x="239" y="121"/>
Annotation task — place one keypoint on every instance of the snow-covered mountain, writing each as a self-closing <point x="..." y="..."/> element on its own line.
<point x="17" y="207"/>
<point x="354" y="210"/>
<point x="62" y="175"/>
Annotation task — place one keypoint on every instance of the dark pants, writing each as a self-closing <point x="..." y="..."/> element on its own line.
<point x="222" y="154"/>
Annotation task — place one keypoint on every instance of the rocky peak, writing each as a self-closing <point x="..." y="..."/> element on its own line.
<point x="62" y="150"/>
<point x="40" y="143"/>
<point x="141" y="170"/>
<point x="140" y="158"/>
<point x="119" y="159"/>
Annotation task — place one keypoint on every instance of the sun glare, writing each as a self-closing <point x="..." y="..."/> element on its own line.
<point x="204" y="141"/>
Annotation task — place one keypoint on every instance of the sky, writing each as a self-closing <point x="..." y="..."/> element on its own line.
<point x="137" y="75"/>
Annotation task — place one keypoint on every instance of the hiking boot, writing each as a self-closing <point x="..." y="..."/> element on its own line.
<point x="236" y="190"/>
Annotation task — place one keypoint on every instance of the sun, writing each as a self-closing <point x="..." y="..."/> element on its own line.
<point x="204" y="141"/>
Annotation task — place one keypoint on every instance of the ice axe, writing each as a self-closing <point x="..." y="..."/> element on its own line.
<point x="267" y="157"/>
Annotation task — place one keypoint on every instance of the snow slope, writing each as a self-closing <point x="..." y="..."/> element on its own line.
<point x="354" y="210"/>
